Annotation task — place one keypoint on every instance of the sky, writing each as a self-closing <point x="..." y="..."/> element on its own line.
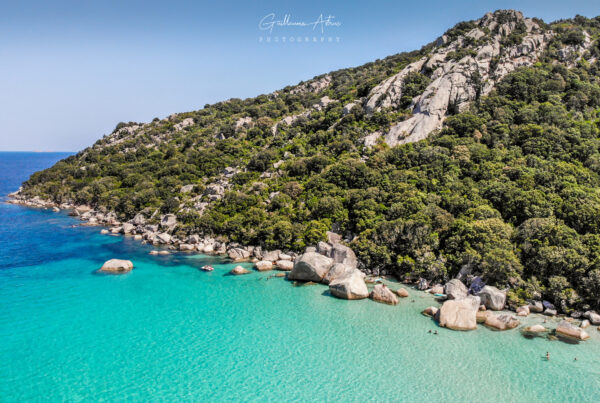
<point x="71" y="70"/>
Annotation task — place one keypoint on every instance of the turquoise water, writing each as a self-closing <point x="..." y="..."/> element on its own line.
<point x="169" y="331"/>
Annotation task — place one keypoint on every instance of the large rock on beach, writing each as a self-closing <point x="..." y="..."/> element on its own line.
<point x="402" y="293"/>
<point x="337" y="270"/>
<point x="382" y="293"/>
<point x="436" y="289"/>
<point x="593" y="317"/>
<point x="458" y="315"/>
<point x="349" y="286"/>
<point x="455" y="289"/>
<point x="536" y="307"/>
<point x="430" y="311"/>
<point x="238" y="254"/>
<point x="139" y="219"/>
<point x="343" y="254"/>
<point x="523" y="310"/>
<point x="570" y="331"/>
<point x="272" y="255"/>
<point x="285" y="265"/>
<point x="117" y="266"/>
<point x="492" y="298"/>
<point x="481" y="316"/>
<point x="311" y="267"/>
<point x="264" y="265"/>
<point x="163" y="238"/>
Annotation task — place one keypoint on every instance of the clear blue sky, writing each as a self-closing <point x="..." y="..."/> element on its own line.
<point x="71" y="70"/>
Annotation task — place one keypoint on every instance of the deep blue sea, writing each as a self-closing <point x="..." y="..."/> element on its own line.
<point x="168" y="331"/>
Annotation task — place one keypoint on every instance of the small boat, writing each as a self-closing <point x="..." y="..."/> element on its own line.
<point x="207" y="268"/>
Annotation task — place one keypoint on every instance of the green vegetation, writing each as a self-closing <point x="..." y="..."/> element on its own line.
<point x="509" y="189"/>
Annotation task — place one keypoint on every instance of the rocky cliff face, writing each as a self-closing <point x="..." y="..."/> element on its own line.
<point x="461" y="69"/>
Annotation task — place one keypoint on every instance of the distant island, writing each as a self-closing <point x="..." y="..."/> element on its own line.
<point x="474" y="159"/>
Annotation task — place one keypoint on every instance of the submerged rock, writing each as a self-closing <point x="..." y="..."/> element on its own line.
<point x="349" y="286"/>
<point x="239" y="270"/>
<point x="535" y="330"/>
<point x="501" y="322"/>
<point x="311" y="267"/>
<point x="402" y="293"/>
<point x="117" y="266"/>
<point x="381" y="293"/>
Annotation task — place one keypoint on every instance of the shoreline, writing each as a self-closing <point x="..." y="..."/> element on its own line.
<point x="159" y="235"/>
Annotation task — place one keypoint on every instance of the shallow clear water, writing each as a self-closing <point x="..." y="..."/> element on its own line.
<point x="170" y="331"/>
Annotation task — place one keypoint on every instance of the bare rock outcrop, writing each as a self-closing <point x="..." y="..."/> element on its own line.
<point x="458" y="77"/>
<point x="310" y="266"/>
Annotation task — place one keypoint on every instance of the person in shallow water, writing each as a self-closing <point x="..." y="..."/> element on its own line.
<point x="547" y="356"/>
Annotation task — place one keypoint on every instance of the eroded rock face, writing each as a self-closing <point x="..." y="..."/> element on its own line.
<point x="456" y="83"/>
<point x="458" y="315"/>
<point x="492" y="298"/>
<point x="349" y="286"/>
<point x="117" y="266"/>
<point x="168" y="221"/>
<point x="382" y="293"/>
<point x="311" y="266"/>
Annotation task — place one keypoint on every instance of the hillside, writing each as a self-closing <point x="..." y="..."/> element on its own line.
<point x="478" y="154"/>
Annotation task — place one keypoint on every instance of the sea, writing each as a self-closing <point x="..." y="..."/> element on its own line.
<point x="168" y="331"/>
